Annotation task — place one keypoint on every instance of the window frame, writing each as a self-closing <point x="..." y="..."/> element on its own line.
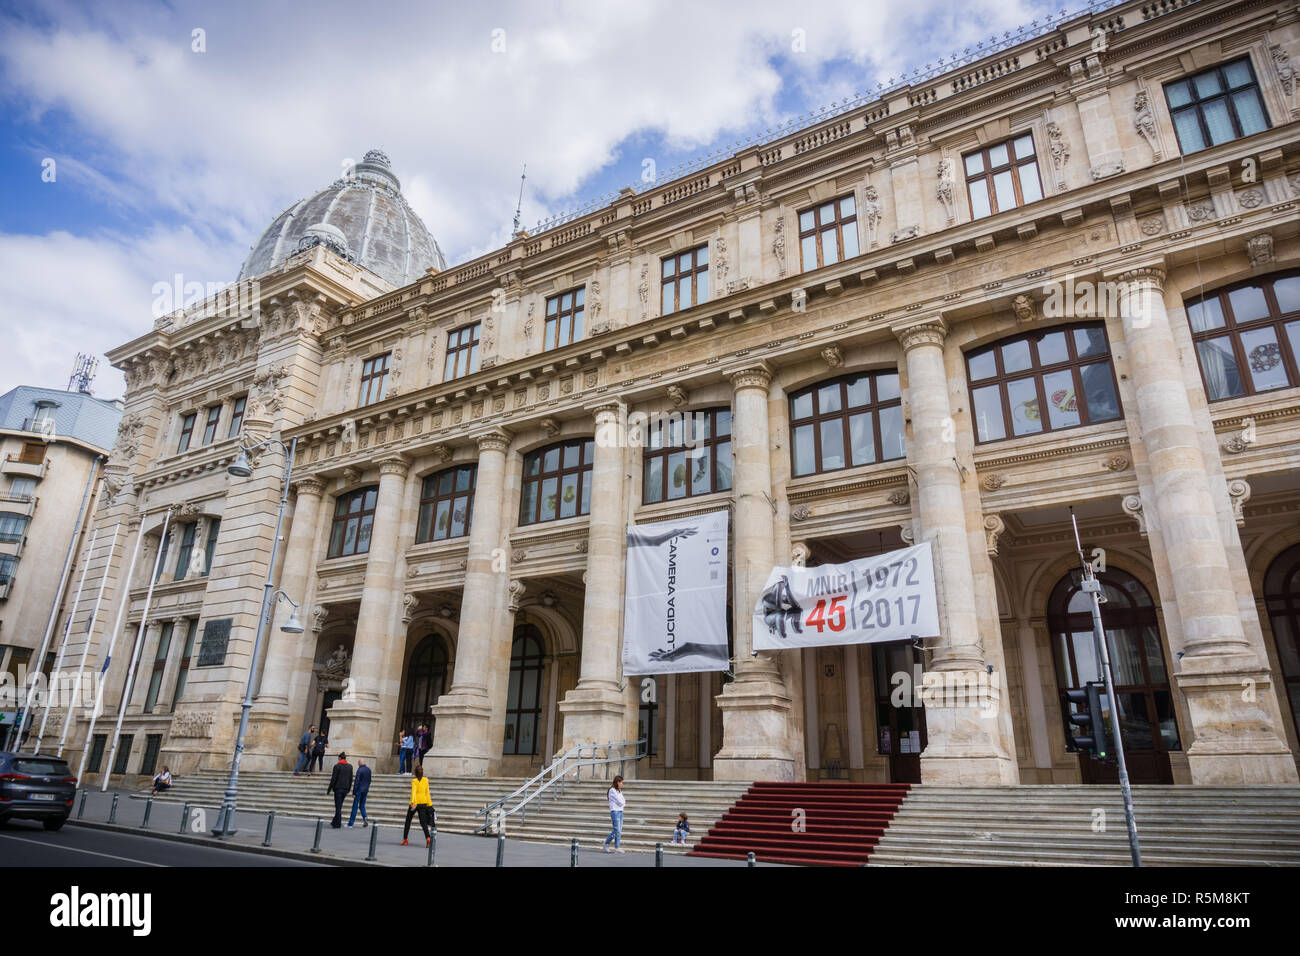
<point x="159" y="666"/>
<point x="575" y="313"/>
<point x="429" y="503"/>
<point x="678" y="275"/>
<point x="374" y="379"/>
<point x="583" y="470"/>
<point x="187" y="655"/>
<point x="187" y="431"/>
<point x="210" y="426"/>
<point x="469" y="346"/>
<point x="665" y="451"/>
<point x="1197" y="103"/>
<point x="844" y="414"/>
<point x="210" y="544"/>
<point x="525" y="664"/>
<point x="189" y="531"/>
<point x="342" y="515"/>
<point x="237" y="416"/>
<point x="840" y="223"/>
<point x="1276" y="319"/>
<point x="989" y="172"/>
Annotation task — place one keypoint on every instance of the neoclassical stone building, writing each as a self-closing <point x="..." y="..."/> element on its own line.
<point x="1064" y="273"/>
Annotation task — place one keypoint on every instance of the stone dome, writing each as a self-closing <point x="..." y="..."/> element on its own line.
<point x="362" y="217"/>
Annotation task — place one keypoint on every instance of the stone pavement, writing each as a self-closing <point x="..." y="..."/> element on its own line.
<point x="349" y="847"/>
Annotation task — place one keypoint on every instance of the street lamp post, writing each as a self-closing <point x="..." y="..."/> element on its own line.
<point x="240" y="468"/>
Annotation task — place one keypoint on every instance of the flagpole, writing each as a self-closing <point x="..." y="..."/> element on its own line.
<point x="85" y="647"/>
<point x="63" y="647"/>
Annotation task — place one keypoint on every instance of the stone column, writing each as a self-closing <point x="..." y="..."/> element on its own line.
<point x="467" y="739"/>
<point x="355" y="720"/>
<point x="963" y="746"/>
<point x="595" y="712"/>
<point x="1223" y="674"/>
<point x="755" y="706"/>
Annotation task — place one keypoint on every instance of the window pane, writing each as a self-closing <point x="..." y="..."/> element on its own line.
<point x="588" y="451"/>
<point x="566" y="335"/>
<point x="1062" y="403"/>
<point x="826" y="213"/>
<point x="528" y="504"/>
<point x="859" y="390"/>
<point x="684" y="298"/>
<point x="979" y="199"/>
<point x="1293" y="337"/>
<point x="830" y="252"/>
<point x="701" y="287"/>
<point x="1188" y="127"/>
<point x="998" y="155"/>
<point x="1248" y="303"/>
<point x="849" y="232"/>
<point x="569" y="496"/>
<point x="808" y="250"/>
<point x="459" y="517"/>
<point x="443" y="525"/>
<point x="684" y="263"/>
<point x="423" y="524"/>
<point x="982" y="365"/>
<point x="463" y="478"/>
<point x="974" y="164"/>
<point x="832" y="444"/>
<point x="1024" y="146"/>
<point x="552" y="306"/>
<point x="1029" y="188"/>
<point x="371" y="495"/>
<point x="552" y="460"/>
<point x="828" y="398"/>
<point x="1052" y="349"/>
<point x="1238" y="74"/>
<point x="806" y="222"/>
<point x="892" y="442"/>
<point x="652" y="490"/>
<point x="1264" y="357"/>
<point x="1250" y="111"/>
<point x="571" y="456"/>
<point x="886" y="387"/>
<point x="669" y="299"/>
<point x="723" y="422"/>
<point x="803" y="406"/>
<point x="1218" y="121"/>
<point x="585" y="508"/>
<point x="723" y="467"/>
<point x="1222" y="379"/>
<point x="1207" y="84"/>
<point x="550" y="336"/>
<point x="862" y="438"/>
<point x="1179" y="94"/>
<point x="1288" y="294"/>
<point x="701" y="471"/>
<point x="350" y="537"/>
<point x="1206" y="314"/>
<point x="1099" y="391"/>
<point x="702" y="256"/>
<point x="550" y="499"/>
<point x="532" y="464"/>
<point x="1015" y="356"/>
<point x="363" y="534"/>
<point x="566" y="301"/>
<point x="677" y="475"/>
<point x="804" y="457"/>
<point x="988" y="413"/>
<point x="444" y="482"/>
<point x="336" y="541"/>
<point x="1026" y="416"/>
<point x="1006" y="192"/>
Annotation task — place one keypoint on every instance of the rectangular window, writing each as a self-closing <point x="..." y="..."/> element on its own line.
<point x="159" y="665"/>
<point x="354" y="515"/>
<point x="374" y="376"/>
<point x="187" y="432"/>
<point x="164" y="546"/>
<point x="152" y="744"/>
<point x="186" y="655"/>
<point x="237" y="416"/>
<point x="97" y="753"/>
<point x="33" y="453"/>
<point x="210" y="545"/>
<point x="183" y="555"/>
<point x="557" y="482"/>
<point x="828" y="233"/>
<point x="684" y="280"/>
<point x="8" y="566"/>
<point x="564" y="314"/>
<point x="462" y="352"/>
<point x="123" y="753"/>
<point x="687" y="456"/>
<point x="210" y="426"/>
<point x="1002" y="176"/>
<point x="13" y="528"/>
<point x="1216" y="106"/>
<point x="22" y="489"/>
<point x="446" y="504"/>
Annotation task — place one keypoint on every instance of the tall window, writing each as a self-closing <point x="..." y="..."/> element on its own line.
<point x="164" y="545"/>
<point x="186" y="549"/>
<point x="21" y="489"/>
<point x="647" y="720"/>
<point x="524" y="697"/>
<point x="462" y="352"/>
<point x="123" y="752"/>
<point x="374" y="375"/>
<point x="1043" y="381"/>
<point x="1282" y="601"/>
<point x="1002" y="177"/>
<point x="564" y="318"/>
<point x="187" y="432"/>
<point x="237" y="416"/>
<point x="828" y="233"/>
<point x="1216" y="106"/>
<point x="851" y="421"/>
<point x="12" y="527"/>
<point x="684" y="280"/>
<point x="210" y="426"/>
<point x="354" y="514"/>
<point x="557" y="481"/>
<point x="446" y="503"/>
<point x="96" y="753"/>
<point x="149" y="763"/>
<point x="677" y="468"/>
<point x="210" y="545"/>
<point x="186" y="655"/>
<point x="159" y="665"/>
<point x="1248" y="336"/>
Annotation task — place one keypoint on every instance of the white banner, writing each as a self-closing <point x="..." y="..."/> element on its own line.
<point x="886" y="598"/>
<point x="675" y="605"/>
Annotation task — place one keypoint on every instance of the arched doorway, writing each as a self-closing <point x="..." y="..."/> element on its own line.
<point x="426" y="678"/>
<point x="524" y="699"/>
<point x="1137" y="660"/>
<point x="1282" y="602"/>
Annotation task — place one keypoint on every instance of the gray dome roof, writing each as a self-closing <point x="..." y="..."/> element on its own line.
<point x="363" y="218"/>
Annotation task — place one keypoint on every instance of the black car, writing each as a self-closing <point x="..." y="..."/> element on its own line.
<point x="36" y="788"/>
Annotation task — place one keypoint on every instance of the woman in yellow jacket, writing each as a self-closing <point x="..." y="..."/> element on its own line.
<point x="422" y="804"/>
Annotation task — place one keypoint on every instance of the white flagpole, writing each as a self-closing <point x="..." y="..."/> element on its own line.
<point x="85" y="648"/>
<point x="63" y="647"/>
<point x="135" y="650"/>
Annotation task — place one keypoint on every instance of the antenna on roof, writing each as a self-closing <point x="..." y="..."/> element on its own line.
<point x="519" y="207"/>
<point x="83" y="373"/>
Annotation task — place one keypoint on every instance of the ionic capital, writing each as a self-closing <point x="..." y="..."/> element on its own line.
<point x="607" y="412"/>
<point x="929" y="331"/>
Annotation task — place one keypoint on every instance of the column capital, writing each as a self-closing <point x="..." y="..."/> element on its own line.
<point x="604" y="409"/>
<point x="1145" y="276"/>
<point x="931" y="330"/>
<point x="758" y="375"/>
<point x="309" y="486"/>
<point x="498" y="439"/>
<point x="398" y="465"/>
<point x="1150" y="269"/>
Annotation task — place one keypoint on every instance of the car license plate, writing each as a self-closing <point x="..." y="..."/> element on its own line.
<point x="42" y="796"/>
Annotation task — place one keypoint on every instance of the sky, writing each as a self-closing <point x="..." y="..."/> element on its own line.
<point x="148" y="140"/>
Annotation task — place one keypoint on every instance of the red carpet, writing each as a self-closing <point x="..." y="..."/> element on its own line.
<point x="840" y="825"/>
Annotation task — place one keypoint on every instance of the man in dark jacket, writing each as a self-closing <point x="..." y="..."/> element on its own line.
<point x="340" y="784"/>
<point x="359" y="791"/>
<point x="304" y="748"/>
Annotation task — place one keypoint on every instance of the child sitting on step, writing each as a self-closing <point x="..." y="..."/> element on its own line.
<point x="682" y="830"/>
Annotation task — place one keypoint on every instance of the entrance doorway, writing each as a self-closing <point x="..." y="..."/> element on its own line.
<point x="1146" y="704"/>
<point x="900" y="722"/>
<point x="326" y="703"/>
<point x="425" y="679"/>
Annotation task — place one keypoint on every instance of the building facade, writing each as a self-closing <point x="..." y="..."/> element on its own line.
<point x="1060" y="277"/>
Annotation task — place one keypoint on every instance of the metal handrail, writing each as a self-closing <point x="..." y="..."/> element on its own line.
<point x="553" y="775"/>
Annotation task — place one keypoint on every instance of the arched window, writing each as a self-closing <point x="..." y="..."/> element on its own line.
<point x="1137" y="662"/>
<point x="446" y="504"/>
<point x="1043" y="381"/>
<point x="524" y="700"/>
<point x="354" y="515"/>
<point x="1282" y="600"/>
<point x="557" y="481"/>
<point x="850" y="421"/>
<point x="1248" y="336"/>
<point x="675" y="467"/>
<point x="426" y="678"/>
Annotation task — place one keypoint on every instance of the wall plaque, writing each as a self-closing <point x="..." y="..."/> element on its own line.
<point x="216" y="635"/>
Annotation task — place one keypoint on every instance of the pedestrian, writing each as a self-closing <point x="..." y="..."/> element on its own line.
<point x="340" y="784"/>
<point x="422" y="804"/>
<point x="423" y="741"/>
<point x="304" y="748"/>
<point x="682" y="830"/>
<point x="318" y="752"/>
<point x="359" y="790"/>
<point x="161" y="781"/>
<point x="616" y="804"/>
<point x="406" y="753"/>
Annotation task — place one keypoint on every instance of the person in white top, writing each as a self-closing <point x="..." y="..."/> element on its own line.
<point x="161" y="781"/>
<point x="617" y="801"/>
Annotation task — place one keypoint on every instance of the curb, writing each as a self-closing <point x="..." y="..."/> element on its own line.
<point x="213" y="842"/>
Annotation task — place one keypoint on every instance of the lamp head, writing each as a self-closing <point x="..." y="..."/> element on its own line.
<point x="293" y="625"/>
<point x="240" y="467"/>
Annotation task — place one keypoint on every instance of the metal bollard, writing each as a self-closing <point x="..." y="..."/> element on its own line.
<point x="374" y="842"/>
<point x="433" y="847"/>
<point x="573" y="852"/>
<point x="501" y="849"/>
<point x="185" y="818"/>
<point x="112" y="813"/>
<point x="750" y="858"/>
<point x="270" y="822"/>
<point x="148" y="808"/>
<point x="81" y="809"/>
<point x="320" y="825"/>
<point x="659" y="854"/>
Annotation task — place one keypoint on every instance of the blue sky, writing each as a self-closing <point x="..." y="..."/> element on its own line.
<point x="169" y="159"/>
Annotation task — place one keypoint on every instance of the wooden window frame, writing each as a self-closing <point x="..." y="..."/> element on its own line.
<point x="374" y="378"/>
<point x="695" y="269"/>
<point x="237" y="416"/>
<point x="33" y="453"/>
<point x="461" y="342"/>
<point x="1276" y="319"/>
<point x="1038" y="372"/>
<point x="210" y="426"/>
<point x="556" y="313"/>
<point x="159" y="666"/>
<point x="839" y="221"/>
<point x="844" y="414"/>
<point x="651" y="454"/>
<point x="1198" y="102"/>
<point x="187" y="431"/>
<point x="430" y="499"/>
<point x="189" y="531"/>
<point x="583" y="470"/>
<point x="343" y="514"/>
<point x="1013" y="164"/>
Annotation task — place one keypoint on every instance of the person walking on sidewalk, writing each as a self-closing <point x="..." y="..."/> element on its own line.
<point x="617" y="801"/>
<point x="422" y="804"/>
<point x="359" y="790"/>
<point x="340" y="784"/>
<point x="304" y="748"/>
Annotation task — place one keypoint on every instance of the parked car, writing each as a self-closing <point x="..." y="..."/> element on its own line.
<point x="36" y="788"/>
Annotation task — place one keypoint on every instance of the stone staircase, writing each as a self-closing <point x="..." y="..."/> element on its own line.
<point x="582" y="812"/>
<point x="1053" y="826"/>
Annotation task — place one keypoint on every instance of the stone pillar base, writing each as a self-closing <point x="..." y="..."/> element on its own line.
<point x="270" y="744"/>
<point x="354" y="730"/>
<point x="755" y="729"/>
<point x="462" y="744"/>
<point x="1235" y="723"/>
<point x="963" y="747"/>
<point x="593" y="715"/>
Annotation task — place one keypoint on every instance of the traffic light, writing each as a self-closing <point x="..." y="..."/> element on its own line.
<point x="1091" y="736"/>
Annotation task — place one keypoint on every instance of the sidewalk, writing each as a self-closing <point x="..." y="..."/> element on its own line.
<point x="349" y="847"/>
